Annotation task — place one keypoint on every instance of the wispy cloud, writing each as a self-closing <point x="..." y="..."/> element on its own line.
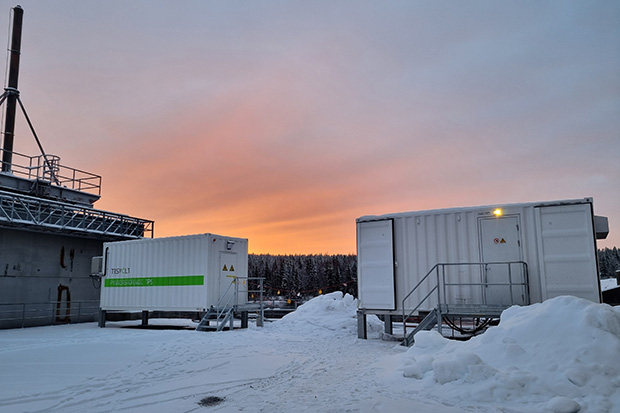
<point x="284" y="121"/>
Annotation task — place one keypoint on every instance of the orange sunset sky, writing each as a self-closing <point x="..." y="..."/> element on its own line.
<point x="284" y="121"/>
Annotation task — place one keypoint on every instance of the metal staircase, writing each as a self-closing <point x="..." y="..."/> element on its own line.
<point x="426" y="324"/>
<point x="220" y="316"/>
<point x="484" y="306"/>
<point x="234" y="302"/>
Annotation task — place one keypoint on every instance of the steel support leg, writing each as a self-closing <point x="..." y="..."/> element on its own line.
<point x="102" y="315"/>
<point x="361" y="325"/>
<point x="387" y="324"/>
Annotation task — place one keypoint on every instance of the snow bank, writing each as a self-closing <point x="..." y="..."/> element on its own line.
<point x="329" y="313"/>
<point x="558" y="356"/>
<point x="608" y="283"/>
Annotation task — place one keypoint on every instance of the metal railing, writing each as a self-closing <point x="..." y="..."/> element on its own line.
<point x="232" y="300"/>
<point x="23" y="210"/>
<point x="20" y="315"/>
<point x="442" y="285"/>
<point x="48" y="168"/>
<point x="247" y="305"/>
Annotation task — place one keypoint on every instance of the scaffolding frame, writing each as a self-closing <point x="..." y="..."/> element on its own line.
<point x="18" y="210"/>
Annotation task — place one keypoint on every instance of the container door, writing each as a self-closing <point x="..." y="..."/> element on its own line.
<point x="228" y="270"/>
<point x="375" y="265"/>
<point x="567" y="252"/>
<point x="500" y="242"/>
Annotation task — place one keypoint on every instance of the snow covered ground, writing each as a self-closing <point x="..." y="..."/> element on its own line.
<point x="558" y="356"/>
<point x="608" y="283"/>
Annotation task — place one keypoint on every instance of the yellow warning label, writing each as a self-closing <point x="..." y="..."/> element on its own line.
<point x="231" y="268"/>
<point x="503" y="241"/>
<point x="224" y="269"/>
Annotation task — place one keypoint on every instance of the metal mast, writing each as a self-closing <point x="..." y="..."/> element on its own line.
<point x="11" y="90"/>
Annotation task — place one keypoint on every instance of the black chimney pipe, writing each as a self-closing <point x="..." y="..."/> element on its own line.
<point x="11" y="89"/>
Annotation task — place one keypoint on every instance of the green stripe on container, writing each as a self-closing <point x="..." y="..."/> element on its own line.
<point x="155" y="281"/>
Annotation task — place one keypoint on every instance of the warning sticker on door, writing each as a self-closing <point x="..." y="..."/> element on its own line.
<point x="499" y="241"/>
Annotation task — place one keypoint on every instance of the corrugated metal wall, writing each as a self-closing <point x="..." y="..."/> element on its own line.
<point x="427" y="239"/>
<point x="174" y="257"/>
<point x="555" y="239"/>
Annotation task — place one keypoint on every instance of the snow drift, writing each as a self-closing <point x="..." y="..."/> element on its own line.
<point x="330" y="314"/>
<point x="560" y="356"/>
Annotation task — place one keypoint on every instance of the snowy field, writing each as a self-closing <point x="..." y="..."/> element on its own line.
<point x="559" y="356"/>
<point x="608" y="283"/>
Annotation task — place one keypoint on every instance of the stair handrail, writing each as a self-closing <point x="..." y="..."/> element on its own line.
<point x="435" y="288"/>
<point x="221" y="307"/>
<point x="261" y="311"/>
<point x="435" y="268"/>
<point x="525" y="283"/>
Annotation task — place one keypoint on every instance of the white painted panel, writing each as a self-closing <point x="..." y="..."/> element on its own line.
<point x="229" y="266"/>
<point x="500" y="241"/>
<point x="567" y="252"/>
<point x="375" y="254"/>
<point x="424" y="240"/>
<point x="171" y="274"/>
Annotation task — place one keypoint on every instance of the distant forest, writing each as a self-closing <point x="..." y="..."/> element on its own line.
<point x="609" y="261"/>
<point x="295" y="277"/>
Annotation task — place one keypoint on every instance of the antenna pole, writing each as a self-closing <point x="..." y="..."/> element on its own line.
<point x="11" y="90"/>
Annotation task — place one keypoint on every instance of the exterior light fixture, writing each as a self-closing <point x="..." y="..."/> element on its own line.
<point x="498" y="212"/>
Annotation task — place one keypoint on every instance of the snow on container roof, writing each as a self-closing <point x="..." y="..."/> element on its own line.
<point x="473" y="208"/>
<point x="165" y="239"/>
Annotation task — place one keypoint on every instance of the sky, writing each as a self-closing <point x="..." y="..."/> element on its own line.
<point x="284" y="121"/>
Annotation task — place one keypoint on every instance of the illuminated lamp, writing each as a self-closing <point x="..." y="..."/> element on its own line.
<point x="498" y="212"/>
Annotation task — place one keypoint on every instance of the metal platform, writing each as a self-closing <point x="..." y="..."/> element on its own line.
<point x="217" y="317"/>
<point x="41" y="214"/>
<point x="516" y="286"/>
<point x="44" y="176"/>
<point x="482" y="310"/>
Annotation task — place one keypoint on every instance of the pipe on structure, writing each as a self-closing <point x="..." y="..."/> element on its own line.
<point x="11" y="89"/>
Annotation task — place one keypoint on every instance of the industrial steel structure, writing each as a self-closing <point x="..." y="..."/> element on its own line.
<point x="49" y="230"/>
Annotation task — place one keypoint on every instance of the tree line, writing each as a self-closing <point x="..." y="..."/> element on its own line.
<point x="609" y="262"/>
<point x="303" y="276"/>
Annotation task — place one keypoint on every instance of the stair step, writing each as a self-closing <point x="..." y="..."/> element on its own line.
<point x="220" y="316"/>
<point x="426" y="324"/>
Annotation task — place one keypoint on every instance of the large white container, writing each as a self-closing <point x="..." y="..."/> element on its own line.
<point x="186" y="273"/>
<point x="556" y="240"/>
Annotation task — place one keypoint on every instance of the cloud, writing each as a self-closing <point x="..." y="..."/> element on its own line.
<point x="283" y="122"/>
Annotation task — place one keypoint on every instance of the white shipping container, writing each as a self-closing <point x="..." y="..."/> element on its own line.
<point x="552" y="246"/>
<point x="185" y="273"/>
